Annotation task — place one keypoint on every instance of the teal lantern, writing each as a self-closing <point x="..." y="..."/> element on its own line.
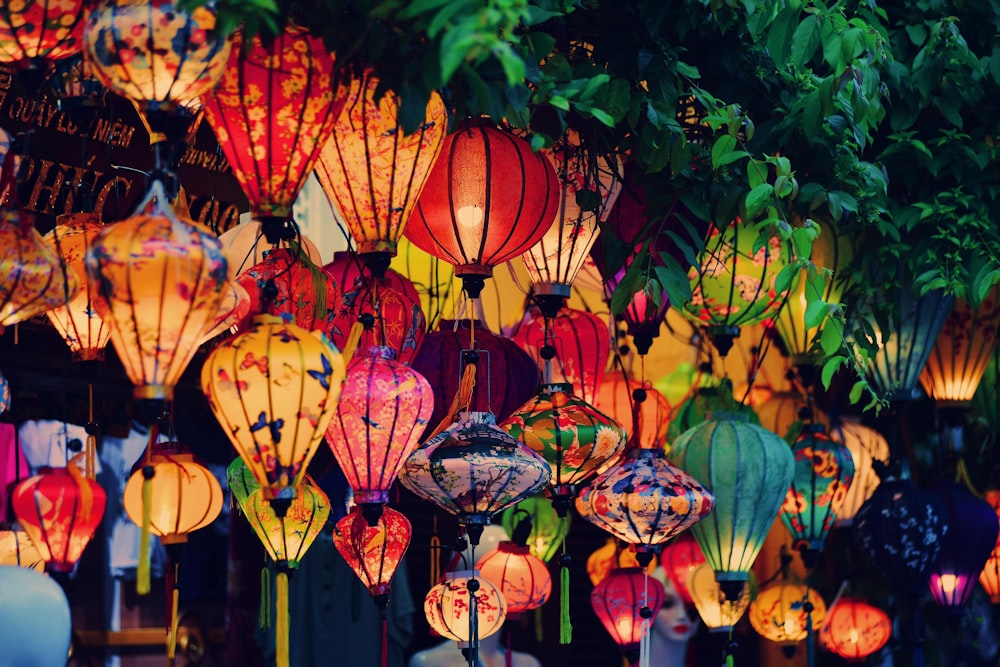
<point x="702" y="404"/>
<point x="749" y="470"/>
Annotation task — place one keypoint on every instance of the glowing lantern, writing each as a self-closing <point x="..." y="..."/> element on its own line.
<point x="448" y="606"/>
<point x="626" y="602"/>
<point x="706" y="401"/>
<point x="16" y="548"/>
<point x="646" y="310"/>
<point x="33" y="29"/>
<point x="373" y="552"/>
<point x="271" y="113"/>
<point x="571" y="435"/>
<point x="160" y="279"/>
<point x="523" y="579"/>
<point x="286" y="283"/>
<point x="76" y="321"/>
<point x="749" y="470"/>
<point x="382" y="412"/>
<point x="781" y="612"/>
<point x="273" y="389"/>
<point x="547" y="530"/>
<point x="866" y="446"/>
<point x="855" y="629"/>
<point x="612" y="556"/>
<point x="245" y="248"/>
<point x="487" y="200"/>
<point x="718" y="613"/>
<point x="679" y="558"/>
<point x="235" y="307"/>
<point x="824" y="470"/>
<point x="989" y="578"/>
<point x="372" y="172"/>
<point x="787" y="408"/>
<point x="645" y="421"/>
<point x="582" y="343"/>
<point x="60" y="509"/>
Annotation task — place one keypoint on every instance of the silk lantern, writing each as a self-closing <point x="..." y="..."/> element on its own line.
<point x="749" y="470"/>
<point x="626" y="603"/>
<point x="160" y="278"/>
<point x="272" y="112"/>
<point x="824" y="471"/>
<point x="680" y="557"/>
<point x="612" y="555"/>
<point x="523" y="579"/>
<point x="374" y="552"/>
<point x="989" y="578"/>
<point x="372" y="172"/>
<point x="273" y="389"/>
<point x="646" y="309"/>
<point x="855" y="629"/>
<point x="17" y="549"/>
<point x="704" y="402"/>
<point x="448" y="606"/>
<point x="77" y="322"/>
<point x="646" y="421"/>
<point x="233" y="309"/>
<point x="547" y="530"/>
<point x="377" y="423"/>
<point x="487" y="200"/>
<point x="785" y="409"/>
<point x="245" y="246"/>
<point x="718" y="613"/>
<point x="572" y="436"/>
<point x="866" y="446"/>
<point x="60" y="509"/>
<point x="40" y="29"/>
<point x="779" y="612"/>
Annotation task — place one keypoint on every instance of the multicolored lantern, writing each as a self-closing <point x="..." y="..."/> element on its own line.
<point x="866" y="446"/>
<point x="989" y="578"/>
<point x="372" y="172"/>
<point x="373" y="552"/>
<point x="627" y="601"/>
<point x="717" y="612"/>
<point x="273" y="389"/>
<point x="382" y="412"/>
<point x="17" y="549"/>
<point x="160" y="279"/>
<point x="680" y="557"/>
<point x="49" y="29"/>
<point x="780" y="612"/>
<point x="449" y="604"/>
<point x="855" y="629"/>
<point x="749" y="470"/>
<point x="523" y="579"/>
<point x="646" y="421"/>
<point x="548" y="531"/>
<point x="487" y="200"/>
<point x="572" y="436"/>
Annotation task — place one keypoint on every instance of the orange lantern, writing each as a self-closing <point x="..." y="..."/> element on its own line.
<point x="523" y="578"/>
<point x="487" y="200"/>
<point x="373" y="552"/>
<point x="645" y="420"/>
<point x="781" y="612"/>
<point x="50" y="29"/>
<point x="989" y="579"/>
<point x="372" y="172"/>
<point x="16" y="548"/>
<point x="855" y="629"/>
<point x="449" y="605"/>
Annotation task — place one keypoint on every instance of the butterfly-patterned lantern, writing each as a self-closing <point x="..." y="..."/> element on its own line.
<point x="372" y="172"/>
<point x="626" y="602"/>
<point x="274" y="389"/>
<point x="373" y="552"/>
<point x="40" y="30"/>
<point x="382" y="412"/>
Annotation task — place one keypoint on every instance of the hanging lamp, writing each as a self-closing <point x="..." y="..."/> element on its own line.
<point x="374" y="552"/>
<point x="679" y="558"/>
<point x="866" y="446"/>
<point x="647" y="308"/>
<point x="523" y="578"/>
<point x="548" y="531"/>
<point x="717" y="612"/>
<point x="245" y="246"/>
<point x="697" y="408"/>
<point x="785" y="612"/>
<point x="626" y="602"/>
<point x="855" y="629"/>
<point x="645" y="421"/>
<point x="448" y="606"/>
<point x="40" y="29"/>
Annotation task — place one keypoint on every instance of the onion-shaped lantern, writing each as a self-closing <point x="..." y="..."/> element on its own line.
<point x="76" y="321"/>
<point x="523" y="579"/>
<point x="706" y="401"/>
<point x="824" y="470"/>
<point x="272" y="112"/>
<point x="448" y="606"/>
<point x="627" y="601"/>
<point x="855" y="629"/>
<point x="160" y="279"/>
<point x="749" y="470"/>
<point x="17" y="549"/>
<point x="965" y="547"/>
<point x="273" y="389"/>
<point x="60" y="509"/>
<point x="391" y="301"/>
<point x="989" y="578"/>
<point x="645" y="420"/>
<point x="582" y="343"/>
<point x="382" y="412"/>
<point x="613" y="555"/>
<point x="572" y="436"/>
<point x="866" y="446"/>
<point x="487" y="200"/>
<point x="718" y="613"/>
<point x="474" y="470"/>
<point x="680" y="557"/>
<point x="40" y="29"/>
<point x="548" y="531"/>
<point x="246" y="247"/>
<point x="372" y="172"/>
<point x="373" y="552"/>
<point x="779" y="612"/>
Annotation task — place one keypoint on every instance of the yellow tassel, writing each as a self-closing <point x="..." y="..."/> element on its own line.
<point x="353" y="338"/>
<point x="142" y="571"/>
<point x="463" y="398"/>
<point x="172" y="635"/>
<point x="281" y="622"/>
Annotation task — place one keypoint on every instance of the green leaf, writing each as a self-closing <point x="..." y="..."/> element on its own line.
<point x="779" y="37"/>
<point x="831" y="337"/>
<point x="806" y="40"/>
<point x="856" y="391"/>
<point x="758" y="199"/>
<point x="829" y="368"/>
<point x="559" y="102"/>
<point x="756" y="172"/>
<point x="815" y="312"/>
<point x="603" y="117"/>
<point x="730" y="157"/>
<point x="721" y="148"/>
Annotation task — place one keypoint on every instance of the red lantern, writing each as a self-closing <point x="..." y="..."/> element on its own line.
<point x="50" y="29"/>
<point x="626" y="602"/>
<point x="646" y="310"/>
<point x="487" y="200"/>
<point x="680" y="557"/>
<point x="373" y="552"/>
<point x="523" y="579"/>
<point x="855" y="629"/>
<point x="645" y="420"/>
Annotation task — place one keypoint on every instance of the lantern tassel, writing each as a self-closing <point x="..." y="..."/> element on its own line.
<point x="353" y="338"/>
<point x="539" y="626"/>
<point x="281" y="621"/>
<point x="319" y="280"/>
<point x="264" y="615"/>
<point x="565" y="626"/>
<point x="142" y="574"/>
<point x="174" y="621"/>
<point x="463" y="398"/>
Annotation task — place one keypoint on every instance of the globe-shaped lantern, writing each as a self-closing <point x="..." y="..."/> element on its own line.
<point x="679" y="558"/>
<point x="855" y="629"/>
<point x="487" y="200"/>
<point x="372" y="171"/>
<point x="76" y="321"/>
<point x="571" y="435"/>
<point x="717" y="612"/>
<point x="523" y="579"/>
<point x="474" y="470"/>
<point x="17" y="549"/>
<point x="748" y="469"/>
<point x="448" y="606"/>
<point x="965" y="547"/>
<point x="548" y="531"/>
<point x="60" y="509"/>
<point x="382" y="412"/>
<point x="824" y="471"/>
<point x="373" y="552"/>
<point x="40" y="29"/>
<point x="160" y="278"/>
<point x="866" y="446"/>
<point x="245" y="246"/>
<point x="704" y="402"/>
<point x="646" y="420"/>
<point x="273" y="389"/>
<point x="989" y="578"/>
<point x="627" y="601"/>
<point x="779" y="612"/>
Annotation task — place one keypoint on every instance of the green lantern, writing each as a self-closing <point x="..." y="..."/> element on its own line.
<point x="749" y="470"/>
<point x="704" y="402"/>
<point x="548" y="531"/>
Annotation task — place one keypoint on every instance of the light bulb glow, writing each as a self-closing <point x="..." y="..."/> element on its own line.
<point x="469" y="216"/>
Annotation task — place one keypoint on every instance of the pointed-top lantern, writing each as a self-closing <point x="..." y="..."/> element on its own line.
<point x="989" y="578"/>
<point x="547" y="531"/>
<point x="855" y="629"/>
<point x="372" y="172"/>
<point x="779" y="612"/>
<point x="627" y="601"/>
<point x="373" y="552"/>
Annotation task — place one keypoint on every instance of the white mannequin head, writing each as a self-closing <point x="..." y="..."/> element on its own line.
<point x="673" y="622"/>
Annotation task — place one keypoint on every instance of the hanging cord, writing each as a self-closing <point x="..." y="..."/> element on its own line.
<point x="264" y="614"/>
<point x="435" y="548"/>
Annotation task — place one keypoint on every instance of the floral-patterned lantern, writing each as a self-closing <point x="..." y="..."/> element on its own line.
<point x="866" y="446"/>
<point x="718" y="613"/>
<point x="781" y="612"/>
<point x="60" y="509"/>
<point x="571" y="435"/>
<point x="382" y="412"/>
<point x="646" y="421"/>
<point x="272" y="112"/>
<point x="373" y="552"/>
<point x="40" y="29"/>
<point x="76" y="321"/>
<point x="749" y="470"/>
<point x="273" y="389"/>
<point x="246" y="247"/>
<point x="704" y="402"/>
<point x="855" y="629"/>
<point x="523" y="579"/>
<point x="372" y="172"/>
<point x="989" y="578"/>
<point x="824" y="470"/>
<point x="487" y="200"/>
<point x="449" y="604"/>
<point x="627" y="601"/>
<point x="160" y="279"/>
<point x="16" y="548"/>
<point x="548" y="531"/>
<point x="680" y="557"/>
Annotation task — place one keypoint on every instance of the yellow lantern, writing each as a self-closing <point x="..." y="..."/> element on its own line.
<point x="866" y="446"/>
<point x="780" y="612"/>
<point x="16" y="548"/>
<point x="717" y="612"/>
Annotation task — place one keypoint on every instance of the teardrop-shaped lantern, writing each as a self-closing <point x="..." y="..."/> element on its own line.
<point x="548" y="531"/>
<point x="382" y="412"/>
<point x="779" y="612"/>
<point x="620" y="600"/>
<point x="704" y="402"/>
<point x="866" y="446"/>
<point x="646" y="310"/>
<point x="372" y="172"/>
<point x="749" y="470"/>
<point x="273" y="389"/>
<point x="286" y="282"/>
<point x="718" y="613"/>
<point x="571" y="435"/>
<point x="17" y="549"/>
<point x="448" y="605"/>
<point x="49" y="29"/>
<point x="160" y="279"/>
<point x="523" y="579"/>
<point x="373" y="552"/>
<point x="989" y="578"/>
<point x="646" y="420"/>
<point x="855" y="629"/>
<point x="487" y="200"/>
<point x="679" y="558"/>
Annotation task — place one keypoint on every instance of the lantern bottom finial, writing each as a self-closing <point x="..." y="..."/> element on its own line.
<point x="789" y="650"/>
<point x="562" y="498"/>
<point x="377" y="262"/>
<point x="473" y="285"/>
<point x="153" y="392"/>
<point x="550" y="304"/>
<point x="372" y="512"/>
<point x="809" y="556"/>
<point x="723" y="337"/>
<point x="732" y="589"/>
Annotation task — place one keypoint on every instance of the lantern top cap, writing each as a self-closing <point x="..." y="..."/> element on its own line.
<point x="509" y="547"/>
<point x="626" y="570"/>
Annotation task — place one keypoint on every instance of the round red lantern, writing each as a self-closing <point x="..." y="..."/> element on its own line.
<point x="523" y="579"/>
<point x="855" y="629"/>
<point x="49" y="29"/>
<point x="626" y="601"/>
